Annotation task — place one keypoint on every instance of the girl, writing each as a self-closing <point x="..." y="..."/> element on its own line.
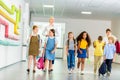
<point x="84" y="42"/>
<point x="98" y="52"/>
<point x="71" y="50"/>
<point x="33" y="48"/>
<point x="109" y="54"/>
<point x="49" y="50"/>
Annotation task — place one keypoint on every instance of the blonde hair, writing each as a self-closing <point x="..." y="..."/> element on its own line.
<point x="111" y="38"/>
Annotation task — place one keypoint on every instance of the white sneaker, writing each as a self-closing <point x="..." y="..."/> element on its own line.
<point x="108" y="73"/>
<point x="82" y="73"/>
<point x="69" y="72"/>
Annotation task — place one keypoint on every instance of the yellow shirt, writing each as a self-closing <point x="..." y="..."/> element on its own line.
<point x="99" y="48"/>
<point x="83" y="44"/>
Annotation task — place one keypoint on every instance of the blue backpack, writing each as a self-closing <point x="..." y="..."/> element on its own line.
<point x="103" y="69"/>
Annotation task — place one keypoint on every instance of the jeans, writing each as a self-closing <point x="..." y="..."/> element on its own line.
<point x="109" y="64"/>
<point x="71" y="59"/>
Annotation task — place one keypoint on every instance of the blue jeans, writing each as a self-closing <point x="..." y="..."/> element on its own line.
<point x="71" y="59"/>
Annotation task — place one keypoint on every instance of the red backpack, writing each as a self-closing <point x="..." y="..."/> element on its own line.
<point x="40" y="63"/>
<point x="117" y="44"/>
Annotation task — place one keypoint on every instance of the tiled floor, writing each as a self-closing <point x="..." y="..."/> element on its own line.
<point x="18" y="72"/>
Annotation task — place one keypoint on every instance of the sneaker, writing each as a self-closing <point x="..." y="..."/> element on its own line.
<point x="82" y="73"/>
<point x="108" y="73"/>
<point x="34" y="71"/>
<point x="28" y="70"/>
<point x="50" y="70"/>
<point x="44" y="70"/>
<point x="69" y="72"/>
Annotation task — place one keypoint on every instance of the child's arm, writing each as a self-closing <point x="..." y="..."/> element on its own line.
<point x="114" y="57"/>
<point x="66" y="48"/>
<point x="44" y="49"/>
<point x="54" y="48"/>
<point x="87" y="52"/>
<point x="79" y="47"/>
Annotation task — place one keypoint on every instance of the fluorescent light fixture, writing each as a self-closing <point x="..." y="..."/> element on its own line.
<point x="85" y="12"/>
<point x="48" y="6"/>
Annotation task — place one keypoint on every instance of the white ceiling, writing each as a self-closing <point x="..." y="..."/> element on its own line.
<point x="101" y="9"/>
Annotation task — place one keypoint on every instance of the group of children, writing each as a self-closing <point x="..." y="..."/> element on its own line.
<point x="105" y="50"/>
<point x="80" y="47"/>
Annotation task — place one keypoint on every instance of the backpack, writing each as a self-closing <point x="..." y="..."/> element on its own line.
<point x="68" y="42"/>
<point x="117" y="45"/>
<point x="103" y="69"/>
<point x="40" y="63"/>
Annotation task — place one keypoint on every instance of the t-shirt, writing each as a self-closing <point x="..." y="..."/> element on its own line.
<point x="83" y="44"/>
<point x="99" y="48"/>
<point x="71" y="44"/>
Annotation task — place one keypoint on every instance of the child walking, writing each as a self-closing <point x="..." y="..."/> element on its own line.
<point x="109" y="54"/>
<point x="98" y="52"/>
<point x="70" y="51"/>
<point x="49" y="50"/>
<point x="34" y="46"/>
<point x="84" y="42"/>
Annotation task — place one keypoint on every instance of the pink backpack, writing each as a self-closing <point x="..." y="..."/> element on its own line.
<point x="40" y="63"/>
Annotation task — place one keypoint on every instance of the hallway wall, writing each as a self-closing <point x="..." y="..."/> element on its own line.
<point x="10" y="54"/>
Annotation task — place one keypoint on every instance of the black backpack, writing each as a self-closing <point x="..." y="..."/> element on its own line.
<point x="103" y="69"/>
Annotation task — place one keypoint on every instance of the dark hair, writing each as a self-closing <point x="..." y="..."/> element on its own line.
<point x="53" y="31"/>
<point x="35" y="27"/>
<point x="108" y="30"/>
<point x="80" y="37"/>
<point x="100" y="38"/>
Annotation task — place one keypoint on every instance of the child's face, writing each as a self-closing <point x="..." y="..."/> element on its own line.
<point x="108" y="33"/>
<point x="110" y="41"/>
<point x="35" y="30"/>
<point x="71" y="35"/>
<point x="84" y="35"/>
<point x="51" y="33"/>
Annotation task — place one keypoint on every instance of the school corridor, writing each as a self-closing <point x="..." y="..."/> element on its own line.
<point x="67" y="31"/>
<point x="18" y="72"/>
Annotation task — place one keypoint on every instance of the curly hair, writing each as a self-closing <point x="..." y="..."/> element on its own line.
<point x="80" y="37"/>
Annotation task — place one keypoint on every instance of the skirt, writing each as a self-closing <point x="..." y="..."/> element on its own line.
<point x="49" y="55"/>
<point x="83" y="54"/>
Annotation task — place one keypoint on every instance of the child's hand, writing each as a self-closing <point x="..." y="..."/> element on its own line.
<point x="52" y="51"/>
<point x="113" y="60"/>
<point x="80" y="51"/>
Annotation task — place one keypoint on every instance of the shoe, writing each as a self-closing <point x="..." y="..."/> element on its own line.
<point x="69" y="72"/>
<point x="50" y="70"/>
<point x="108" y="73"/>
<point x="44" y="70"/>
<point x="82" y="73"/>
<point x="28" y="70"/>
<point x="34" y="71"/>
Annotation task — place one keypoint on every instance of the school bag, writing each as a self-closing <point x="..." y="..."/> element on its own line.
<point x="117" y="45"/>
<point x="102" y="69"/>
<point x="40" y="63"/>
